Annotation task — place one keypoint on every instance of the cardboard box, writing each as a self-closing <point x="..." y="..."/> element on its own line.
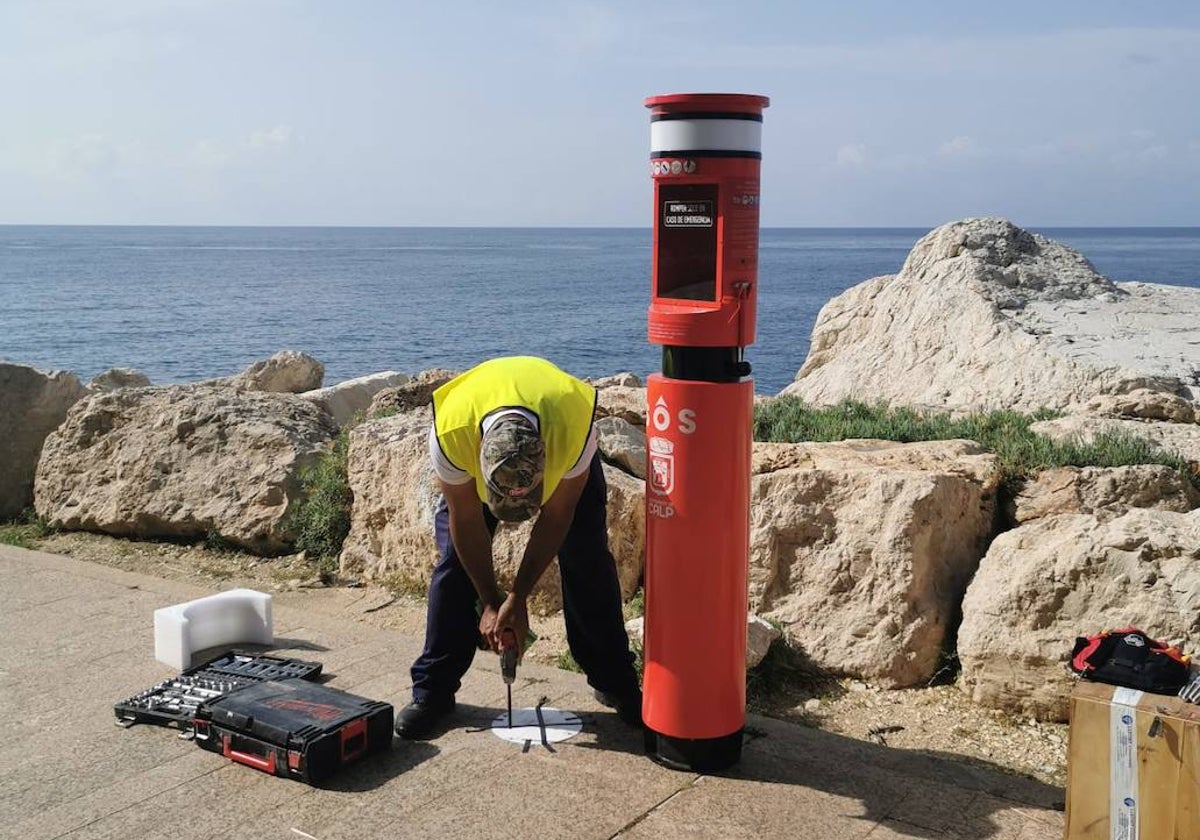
<point x="1133" y="766"/>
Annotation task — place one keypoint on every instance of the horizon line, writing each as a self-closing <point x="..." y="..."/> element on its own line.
<point x="572" y="227"/>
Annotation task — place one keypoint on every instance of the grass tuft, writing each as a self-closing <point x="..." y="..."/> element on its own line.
<point x="567" y="662"/>
<point x="635" y="607"/>
<point x="321" y="518"/>
<point x="1020" y="452"/>
<point x="25" y="530"/>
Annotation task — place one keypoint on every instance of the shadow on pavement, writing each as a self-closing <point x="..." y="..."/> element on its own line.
<point x="611" y="734"/>
<point x="922" y="794"/>
<point x="377" y="770"/>
<point x="284" y="643"/>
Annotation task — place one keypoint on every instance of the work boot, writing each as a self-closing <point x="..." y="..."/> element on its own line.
<point x="420" y="717"/>
<point x="627" y="706"/>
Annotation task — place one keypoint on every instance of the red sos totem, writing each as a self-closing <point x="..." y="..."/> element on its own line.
<point x="705" y="152"/>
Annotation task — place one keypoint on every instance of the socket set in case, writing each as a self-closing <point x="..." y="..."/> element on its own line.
<point x="174" y="702"/>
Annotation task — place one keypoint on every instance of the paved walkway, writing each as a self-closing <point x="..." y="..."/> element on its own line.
<point x="76" y="637"/>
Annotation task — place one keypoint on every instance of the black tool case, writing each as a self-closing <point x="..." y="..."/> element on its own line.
<point x="294" y="728"/>
<point x="174" y="702"/>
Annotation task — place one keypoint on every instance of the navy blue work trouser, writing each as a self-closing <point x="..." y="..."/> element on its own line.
<point x="591" y="604"/>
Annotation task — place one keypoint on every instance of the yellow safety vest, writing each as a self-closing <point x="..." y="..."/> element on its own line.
<point x="563" y="405"/>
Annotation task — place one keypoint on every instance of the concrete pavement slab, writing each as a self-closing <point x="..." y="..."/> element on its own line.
<point x="77" y="637"/>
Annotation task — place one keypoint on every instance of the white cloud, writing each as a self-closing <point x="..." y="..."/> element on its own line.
<point x="85" y="156"/>
<point x="852" y="156"/>
<point x="960" y="146"/>
<point x="209" y="154"/>
<point x="1152" y="153"/>
<point x="270" y="138"/>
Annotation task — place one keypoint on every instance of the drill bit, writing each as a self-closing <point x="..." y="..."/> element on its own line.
<point x="508" y="666"/>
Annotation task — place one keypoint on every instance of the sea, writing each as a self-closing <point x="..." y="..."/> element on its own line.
<point x="187" y="303"/>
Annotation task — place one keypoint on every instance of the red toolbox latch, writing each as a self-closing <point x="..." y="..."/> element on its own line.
<point x="354" y="739"/>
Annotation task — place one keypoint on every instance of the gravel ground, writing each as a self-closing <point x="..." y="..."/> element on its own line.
<point x="937" y="720"/>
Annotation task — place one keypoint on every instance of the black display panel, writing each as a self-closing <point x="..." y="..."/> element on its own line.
<point x="687" y="241"/>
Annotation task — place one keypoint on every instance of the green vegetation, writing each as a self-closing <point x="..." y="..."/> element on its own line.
<point x="24" y="530"/>
<point x="1021" y="453"/>
<point x="321" y="519"/>
<point x="405" y="584"/>
<point x="635" y="607"/>
<point x="213" y="541"/>
<point x="567" y="662"/>
<point x="784" y="674"/>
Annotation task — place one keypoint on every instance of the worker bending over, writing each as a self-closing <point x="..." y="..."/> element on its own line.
<point x="512" y="439"/>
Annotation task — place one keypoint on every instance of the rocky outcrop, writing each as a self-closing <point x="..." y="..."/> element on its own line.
<point x="413" y="394"/>
<point x="1181" y="439"/>
<point x="862" y="549"/>
<point x="32" y="405"/>
<point x="985" y="315"/>
<point x="625" y="380"/>
<point x="115" y="378"/>
<point x="1144" y="404"/>
<point x="346" y="399"/>
<point x="1053" y="579"/>
<point x="623" y="401"/>
<point x="395" y="496"/>
<point x="181" y="462"/>
<point x="1106" y="492"/>
<point x="623" y="444"/>
<point x="287" y="372"/>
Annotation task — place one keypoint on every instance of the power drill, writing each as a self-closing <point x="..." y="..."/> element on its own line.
<point x="508" y="664"/>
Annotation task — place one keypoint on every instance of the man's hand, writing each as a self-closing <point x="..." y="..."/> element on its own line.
<point x="488" y="627"/>
<point x="513" y="615"/>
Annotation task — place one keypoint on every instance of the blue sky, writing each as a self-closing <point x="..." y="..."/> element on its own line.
<point x="359" y="112"/>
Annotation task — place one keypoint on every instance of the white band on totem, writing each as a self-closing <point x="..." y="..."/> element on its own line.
<point x="706" y="135"/>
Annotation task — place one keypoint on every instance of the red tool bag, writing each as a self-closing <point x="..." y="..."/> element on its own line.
<point x="1131" y="658"/>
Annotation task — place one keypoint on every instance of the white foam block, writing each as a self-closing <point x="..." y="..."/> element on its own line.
<point x="239" y="616"/>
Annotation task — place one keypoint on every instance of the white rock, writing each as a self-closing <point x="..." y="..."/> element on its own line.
<point x="984" y="315"/>
<point x="627" y="380"/>
<point x="760" y="633"/>
<point x="287" y="372"/>
<point x="623" y="444"/>
<point x="346" y="399"/>
<point x="114" y="378"/>
<point x="759" y="636"/>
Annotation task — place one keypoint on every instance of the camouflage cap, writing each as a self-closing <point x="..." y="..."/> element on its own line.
<point x="512" y="457"/>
